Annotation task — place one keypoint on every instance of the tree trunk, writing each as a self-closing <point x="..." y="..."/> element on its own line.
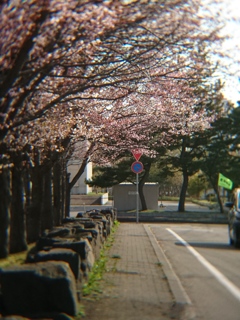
<point x="141" y="185"/>
<point x="64" y="189"/>
<point x="47" y="207"/>
<point x="67" y="196"/>
<point x="4" y="212"/>
<point x="183" y="192"/>
<point x="34" y="218"/>
<point x="181" y="204"/>
<point x="57" y="201"/>
<point x="27" y="189"/>
<point x="141" y="196"/>
<point x="18" y="238"/>
<point x="219" y="200"/>
<point x="215" y="188"/>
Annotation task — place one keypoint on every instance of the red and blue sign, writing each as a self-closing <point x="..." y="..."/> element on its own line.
<point x="137" y="167"/>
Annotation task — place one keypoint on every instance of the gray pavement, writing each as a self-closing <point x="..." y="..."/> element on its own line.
<point x="138" y="283"/>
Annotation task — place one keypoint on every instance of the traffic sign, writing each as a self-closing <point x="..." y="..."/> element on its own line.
<point x="137" y="154"/>
<point x="137" y="167"/>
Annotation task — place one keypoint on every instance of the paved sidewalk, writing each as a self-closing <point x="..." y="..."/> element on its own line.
<point x="135" y="285"/>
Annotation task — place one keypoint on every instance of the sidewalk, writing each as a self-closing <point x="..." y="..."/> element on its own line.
<point x="135" y="284"/>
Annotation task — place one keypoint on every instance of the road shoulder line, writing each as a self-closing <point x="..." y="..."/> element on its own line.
<point x="231" y="287"/>
<point x="179" y="293"/>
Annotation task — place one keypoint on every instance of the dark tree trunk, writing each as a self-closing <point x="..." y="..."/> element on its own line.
<point x="141" y="185"/>
<point x="219" y="200"/>
<point x="215" y="188"/>
<point x="181" y="204"/>
<point x="57" y="201"/>
<point x="28" y="197"/>
<point x="34" y="218"/>
<point x="185" y="174"/>
<point x="18" y="239"/>
<point x="47" y="207"/>
<point x="64" y="189"/>
<point x="27" y="188"/>
<point x="67" y="196"/>
<point x="4" y="211"/>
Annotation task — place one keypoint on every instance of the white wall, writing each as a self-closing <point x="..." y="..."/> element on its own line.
<point x="80" y="187"/>
<point x="73" y="166"/>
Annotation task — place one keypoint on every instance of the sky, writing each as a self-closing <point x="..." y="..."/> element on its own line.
<point x="231" y="14"/>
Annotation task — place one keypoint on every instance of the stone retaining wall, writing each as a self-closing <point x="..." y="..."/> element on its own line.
<point x="49" y="283"/>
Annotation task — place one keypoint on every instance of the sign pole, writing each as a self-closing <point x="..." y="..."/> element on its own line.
<point x="137" y="209"/>
<point x="137" y="167"/>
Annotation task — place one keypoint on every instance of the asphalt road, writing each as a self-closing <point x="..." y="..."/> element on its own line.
<point x="206" y="267"/>
<point x="168" y="206"/>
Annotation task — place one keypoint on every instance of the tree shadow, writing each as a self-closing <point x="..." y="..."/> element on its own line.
<point x="208" y="245"/>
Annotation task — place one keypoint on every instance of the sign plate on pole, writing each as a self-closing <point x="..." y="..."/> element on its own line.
<point x="137" y="167"/>
<point x="137" y="154"/>
<point x="132" y="193"/>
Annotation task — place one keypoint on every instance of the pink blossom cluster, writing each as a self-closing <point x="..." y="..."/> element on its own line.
<point x="113" y="73"/>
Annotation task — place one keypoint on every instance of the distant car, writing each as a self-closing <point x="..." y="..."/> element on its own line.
<point x="234" y="219"/>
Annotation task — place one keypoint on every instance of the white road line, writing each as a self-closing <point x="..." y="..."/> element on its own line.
<point x="235" y="291"/>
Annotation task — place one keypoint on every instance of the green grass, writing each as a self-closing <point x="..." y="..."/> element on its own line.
<point x="95" y="194"/>
<point x="99" y="267"/>
<point x="15" y="258"/>
<point x="205" y="203"/>
<point x="92" y="286"/>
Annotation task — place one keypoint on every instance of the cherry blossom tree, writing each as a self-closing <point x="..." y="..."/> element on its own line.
<point x="109" y="72"/>
<point x="57" y="61"/>
<point x="36" y="36"/>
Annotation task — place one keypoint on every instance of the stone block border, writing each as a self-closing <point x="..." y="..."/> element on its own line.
<point x="50" y="281"/>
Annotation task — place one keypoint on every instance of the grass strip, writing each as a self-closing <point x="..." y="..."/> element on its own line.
<point x="95" y="276"/>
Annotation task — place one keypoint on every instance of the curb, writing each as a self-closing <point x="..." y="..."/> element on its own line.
<point x="180" y="296"/>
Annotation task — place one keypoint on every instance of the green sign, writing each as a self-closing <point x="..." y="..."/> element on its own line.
<point x="224" y="182"/>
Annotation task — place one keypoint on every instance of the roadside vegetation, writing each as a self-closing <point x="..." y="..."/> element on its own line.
<point x="15" y="258"/>
<point x="92" y="286"/>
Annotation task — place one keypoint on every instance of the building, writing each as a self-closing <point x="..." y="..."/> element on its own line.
<point x="74" y="165"/>
<point x="125" y="198"/>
